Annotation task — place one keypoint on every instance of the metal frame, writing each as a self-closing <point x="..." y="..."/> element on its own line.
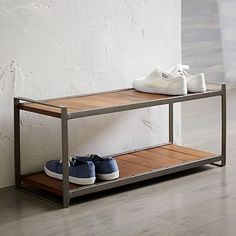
<point x="66" y="116"/>
<point x="65" y="154"/>
<point x="223" y="125"/>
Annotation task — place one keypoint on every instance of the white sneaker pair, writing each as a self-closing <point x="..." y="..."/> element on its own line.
<point x="175" y="81"/>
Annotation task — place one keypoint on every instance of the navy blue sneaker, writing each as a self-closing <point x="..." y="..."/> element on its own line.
<point x="80" y="171"/>
<point x="106" y="167"/>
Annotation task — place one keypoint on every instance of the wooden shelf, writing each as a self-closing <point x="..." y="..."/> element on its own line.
<point x="90" y="102"/>
<point x="130" y="165"/>
<point x="107" y="102"/>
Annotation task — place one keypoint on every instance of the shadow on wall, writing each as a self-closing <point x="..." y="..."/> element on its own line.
<point x="201" y="39"/>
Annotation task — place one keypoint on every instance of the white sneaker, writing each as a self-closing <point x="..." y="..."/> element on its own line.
<point x="161" y="82"/>
<point x="195" y="83"/>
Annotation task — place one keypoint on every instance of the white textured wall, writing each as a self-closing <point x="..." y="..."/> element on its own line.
<point x="54" y="48"/>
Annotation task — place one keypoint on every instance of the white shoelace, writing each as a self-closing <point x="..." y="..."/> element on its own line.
<point x="182" y="68"/>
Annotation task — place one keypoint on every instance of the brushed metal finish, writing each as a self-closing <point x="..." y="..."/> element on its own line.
<point x="17" y="142"/>
<point x="223" y="125"/>
<point x="38" y="102"/>
<point x="65" y="155"/>
<point x="171" y="122"/>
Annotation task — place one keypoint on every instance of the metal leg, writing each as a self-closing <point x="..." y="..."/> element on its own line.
<point x="64" y="127"/>
<point x="171" y="122"/>
<point x="223" y="125"/>
<point x="17" y="143"/>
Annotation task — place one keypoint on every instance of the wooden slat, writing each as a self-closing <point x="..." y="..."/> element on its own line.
<point x="147" y="96"/>
<point x="169" y="153"/>
<point x="164" y="160"/>
<point x="101" y="101"/>
<point x="118" y="99"/>
<point x="130" y="98"/>
<point x="186" y="150"/>
<point x="85" y="103"/>
<point x="127" y="168"/>
<point x="151" y="163"/>
<point x="73" y="103"/>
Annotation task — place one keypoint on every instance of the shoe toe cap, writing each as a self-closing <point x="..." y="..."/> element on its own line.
<point x="139" y="82"/>
<point x="52" y="165"/>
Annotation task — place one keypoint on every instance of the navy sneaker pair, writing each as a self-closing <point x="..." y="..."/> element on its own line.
<point x="84" y="169"/>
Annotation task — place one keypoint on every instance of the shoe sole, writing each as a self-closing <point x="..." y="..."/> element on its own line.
<point x="160" y="91"/>
<point x="74" y="180"/>
<point x="111" y="176"/>
<point x="199" y="90"/>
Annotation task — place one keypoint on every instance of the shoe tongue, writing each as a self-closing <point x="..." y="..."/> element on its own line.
<point x="156" y="72"/>
<point x="159" y="72"/>
<point x="74" y="161"/>
<point x="178" y="70"/>
<point x="183" y="67"/>
<point x="85" y="158"/>
<point x="98" y="158"/>
<point x="175" y="71"/>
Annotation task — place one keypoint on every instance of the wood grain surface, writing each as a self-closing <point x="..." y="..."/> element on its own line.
<point x="133" y="164"/>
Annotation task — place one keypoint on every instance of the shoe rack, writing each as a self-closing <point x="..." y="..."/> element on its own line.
<point x="136" y="165"/>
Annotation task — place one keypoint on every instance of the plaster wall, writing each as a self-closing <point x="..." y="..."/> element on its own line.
<point x="54" y="48"/>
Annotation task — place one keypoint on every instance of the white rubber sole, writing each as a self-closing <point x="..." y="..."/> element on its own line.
<point x="111" y="176"/>
<point x="160" y="91"/>
<point x="198" y="90"/>
<point x="80" y="181"/>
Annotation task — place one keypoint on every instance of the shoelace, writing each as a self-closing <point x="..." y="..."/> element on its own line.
<point x="73" y="160"/>
<point x="91" y="156"/>
<point x="181" y="68"/>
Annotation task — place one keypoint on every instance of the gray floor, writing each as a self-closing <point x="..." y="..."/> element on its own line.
<point x="199" y="202"/>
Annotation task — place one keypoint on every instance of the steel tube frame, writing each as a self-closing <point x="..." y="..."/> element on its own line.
<point x="65" y="155"/>
<point x="223" y="125"/>
<point x="65" y="116"/>
<point x="171" y="122"/>
<point x="38" y="102"/>
<point x="17" y="143"/>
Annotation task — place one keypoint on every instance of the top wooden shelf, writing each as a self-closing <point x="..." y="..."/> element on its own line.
<point x="107" y="102"/>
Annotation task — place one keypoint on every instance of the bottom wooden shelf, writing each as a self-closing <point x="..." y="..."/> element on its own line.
<point x="134" y="164"/>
